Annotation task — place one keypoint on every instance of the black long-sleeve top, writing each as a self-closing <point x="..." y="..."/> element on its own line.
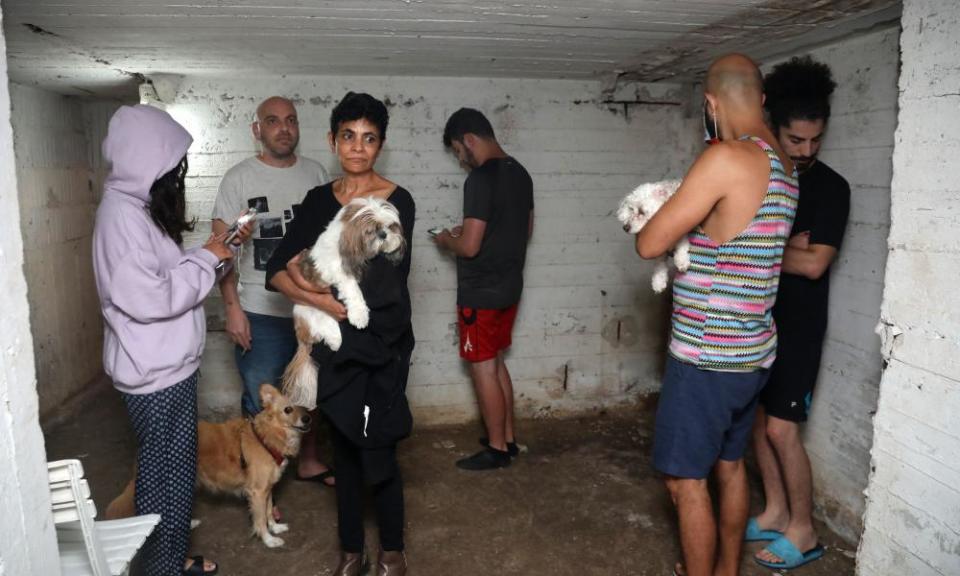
<point x="372" y="365"/>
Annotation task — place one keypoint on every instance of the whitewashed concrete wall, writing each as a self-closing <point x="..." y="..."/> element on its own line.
<point x="27" y="538"/>
<point x="59" y="188"/>
<point x="858" y="145"/>
<point x="590" y="331"/>
<point x="912" y="523"/>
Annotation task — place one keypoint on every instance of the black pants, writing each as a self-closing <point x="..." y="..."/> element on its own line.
<point x="387" y="495"/>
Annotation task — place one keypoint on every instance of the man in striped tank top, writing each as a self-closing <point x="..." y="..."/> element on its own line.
<point x="736" y="206"/>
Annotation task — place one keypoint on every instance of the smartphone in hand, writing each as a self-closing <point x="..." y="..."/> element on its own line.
<point x="234" y="229"/>
<point x="232" y="232"/>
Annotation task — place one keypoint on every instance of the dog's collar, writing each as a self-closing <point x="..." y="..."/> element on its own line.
<point x="277" y="456"/>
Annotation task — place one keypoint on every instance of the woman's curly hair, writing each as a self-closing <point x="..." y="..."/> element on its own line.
<point x="798" y="89"/>
<point x="168" y="203"/>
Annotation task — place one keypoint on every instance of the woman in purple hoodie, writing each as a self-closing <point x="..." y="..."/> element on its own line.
<point x="151" y="294"/>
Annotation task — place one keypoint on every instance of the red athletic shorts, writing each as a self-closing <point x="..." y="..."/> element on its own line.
<point x="484" y="332"/>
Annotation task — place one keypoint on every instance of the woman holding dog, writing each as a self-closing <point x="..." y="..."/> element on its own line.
<point x="375" y="360"/>
<point x="151" y="295"/>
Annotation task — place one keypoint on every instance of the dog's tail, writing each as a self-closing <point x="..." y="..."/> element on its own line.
<point x="300" y="378"/>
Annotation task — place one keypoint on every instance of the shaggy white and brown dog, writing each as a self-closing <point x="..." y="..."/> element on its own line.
<point x="359" y="232"/>
<point x="635" y="211"/>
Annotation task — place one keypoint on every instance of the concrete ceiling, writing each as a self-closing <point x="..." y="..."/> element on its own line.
<point x="102" y="47"/>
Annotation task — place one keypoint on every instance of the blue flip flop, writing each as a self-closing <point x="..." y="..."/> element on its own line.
<point x="790" y="556"/>
<point x="755" y="534"/>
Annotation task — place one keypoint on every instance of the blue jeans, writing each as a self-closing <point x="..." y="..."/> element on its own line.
<point x="272" y="345"/>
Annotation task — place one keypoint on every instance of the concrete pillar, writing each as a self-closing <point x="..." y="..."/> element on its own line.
<point x="912" y="522"/>
<point x="27" y="537"/>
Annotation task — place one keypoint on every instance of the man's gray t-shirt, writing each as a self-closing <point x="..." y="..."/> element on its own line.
<point x="276" y="193"/>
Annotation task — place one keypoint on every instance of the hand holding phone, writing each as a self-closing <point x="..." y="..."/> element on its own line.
<point x="219" y="249"/>
<point x="234" y="230"/>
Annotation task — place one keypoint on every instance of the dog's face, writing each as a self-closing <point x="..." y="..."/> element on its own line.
<point x="278" y="410"/>
<point x="371" y="226"/>
<point x="630" y="216"/>
<point x="636" y="209"/>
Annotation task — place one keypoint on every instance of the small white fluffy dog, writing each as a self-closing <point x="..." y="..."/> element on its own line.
<point x="634" y="213"/>
<point x="360" y="231"/>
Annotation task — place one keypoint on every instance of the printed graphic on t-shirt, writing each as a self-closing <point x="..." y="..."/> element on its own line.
<point x="270" y="230"/>
<point x="270" y="227"/>
<point x="260" y="203"/>
<point x="262" y="251"/>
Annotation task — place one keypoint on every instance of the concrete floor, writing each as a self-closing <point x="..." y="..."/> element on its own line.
<point x="582" y="500"/>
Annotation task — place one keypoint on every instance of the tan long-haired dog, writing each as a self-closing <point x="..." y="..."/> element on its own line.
<point x="245" y="458"/>
<point x="361" y="230"/>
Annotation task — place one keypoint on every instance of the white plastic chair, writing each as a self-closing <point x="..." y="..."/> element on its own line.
<point x="89" y="548"/>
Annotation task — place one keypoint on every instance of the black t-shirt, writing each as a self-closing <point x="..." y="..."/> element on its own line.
<point x="822" y="210"/>
<point x="500" y="192"/>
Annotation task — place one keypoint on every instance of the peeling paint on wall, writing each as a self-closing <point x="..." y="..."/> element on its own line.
<point x="890" y="335"/>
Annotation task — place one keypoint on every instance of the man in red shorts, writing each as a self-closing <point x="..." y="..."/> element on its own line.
<point x="491" y="247"/>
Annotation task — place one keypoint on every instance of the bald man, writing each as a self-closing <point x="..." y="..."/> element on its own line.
<point x="258" y="321"/>
<point x="736" y="205"/>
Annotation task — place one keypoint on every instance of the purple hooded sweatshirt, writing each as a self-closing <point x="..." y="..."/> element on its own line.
<point x="151" y="290"/>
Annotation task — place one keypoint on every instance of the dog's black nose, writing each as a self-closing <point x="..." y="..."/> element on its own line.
<point x="305" y="418"/>
<point x="382" y="234"/>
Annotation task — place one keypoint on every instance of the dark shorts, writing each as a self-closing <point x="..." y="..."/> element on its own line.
<point x="484" y="332"/>
<point x="789" y="392"/>
<point x="703" y="416"/>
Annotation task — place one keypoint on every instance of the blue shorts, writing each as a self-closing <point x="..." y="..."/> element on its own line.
<point x="703" y="416"/>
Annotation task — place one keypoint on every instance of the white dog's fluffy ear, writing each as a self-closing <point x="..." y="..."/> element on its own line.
<point x="657" y="193"/>
<point x="625" y="210"/>
<point x="397" y="255"/>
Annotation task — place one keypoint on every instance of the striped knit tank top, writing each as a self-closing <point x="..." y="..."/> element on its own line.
<point x="723" y="303"/>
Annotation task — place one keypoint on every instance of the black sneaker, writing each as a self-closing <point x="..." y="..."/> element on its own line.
<point x="512" y="449"/>
<point x="486" y="459"/>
